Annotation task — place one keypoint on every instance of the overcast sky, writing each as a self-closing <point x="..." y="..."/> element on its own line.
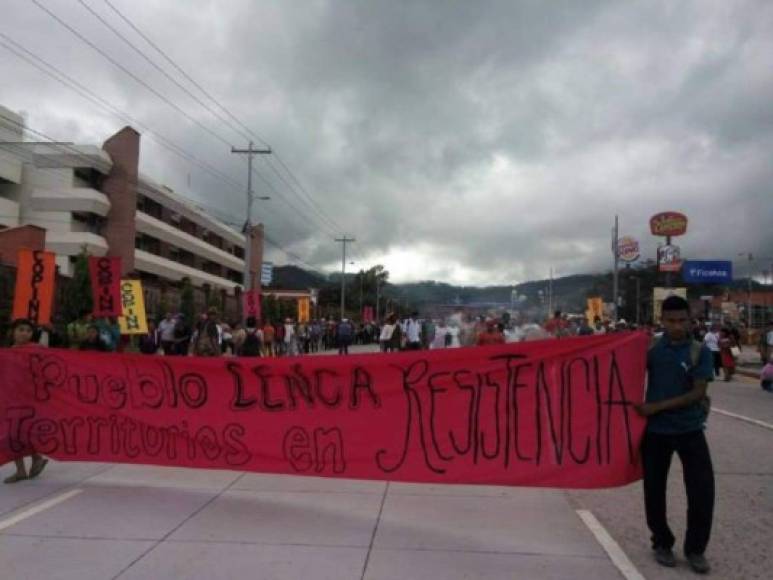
<point x="468" y="142"/>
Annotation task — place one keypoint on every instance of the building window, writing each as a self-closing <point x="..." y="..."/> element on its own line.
<point x="235" y="276"/>
<point x="150" y="207"/>
<point x="212" y="268"/>
<point x="148" y="244"/>
<point x="213" y="239"/>
<point x="182" y="257"/>
<point x="88" y="222"/>
<point x="238" y="252"/>
<point x="88" y="177"/>
<point x="186" y="225"/>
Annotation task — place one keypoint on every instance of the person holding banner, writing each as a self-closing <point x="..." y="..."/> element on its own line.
<point x="676" y="409"/>
<point x="23" y="331"/>
<point x="93" y="340"/>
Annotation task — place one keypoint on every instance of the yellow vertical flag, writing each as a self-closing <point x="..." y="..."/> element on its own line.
<point x="133" y="320"/>
<point x="304" y="307"/>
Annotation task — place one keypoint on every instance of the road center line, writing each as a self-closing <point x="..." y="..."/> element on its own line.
<point x="744" y="418"/>
<point x="611" y="547"/>
<point x="37" y="508"/>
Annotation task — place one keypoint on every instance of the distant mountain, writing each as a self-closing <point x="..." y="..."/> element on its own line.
<point x="295" y="278"/>
<point x="572" y="290"/>
<point x="569" y="292"/>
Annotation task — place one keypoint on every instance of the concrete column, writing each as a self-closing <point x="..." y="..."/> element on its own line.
<point x="121" y="188"/>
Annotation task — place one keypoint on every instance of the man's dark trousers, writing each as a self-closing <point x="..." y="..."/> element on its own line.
<point x="693" y="451"/>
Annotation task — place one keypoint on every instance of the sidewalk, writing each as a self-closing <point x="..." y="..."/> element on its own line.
<point x="749" y="363"/>
<point x="138" y="522"/>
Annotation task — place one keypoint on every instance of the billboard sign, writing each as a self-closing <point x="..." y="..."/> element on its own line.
<point x="266" y="273"/>
<point x="707" y="271"/>
<point x="628" y="249"/>
<point x="668" y="223"/>
<point x="669" y="259"/>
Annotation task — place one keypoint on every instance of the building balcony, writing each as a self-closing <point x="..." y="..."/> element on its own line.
<point x="71" y="243"/>
<point x="151" y="226"/>
<point x="188" y="208"/>
<point x="74" y="199"/>
<point x="9" y="213"/>
<point x="169" y="270"/>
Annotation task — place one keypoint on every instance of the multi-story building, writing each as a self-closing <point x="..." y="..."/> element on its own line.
<point x="95" y="198"/>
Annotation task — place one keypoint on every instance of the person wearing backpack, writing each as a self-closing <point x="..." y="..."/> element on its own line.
<point x="253" y="339"/>
<point x="206" y="338"/>
<point x="678" y="370"/>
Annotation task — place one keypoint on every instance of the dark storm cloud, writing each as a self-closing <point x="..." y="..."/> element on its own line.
<point x="472" y="142"/>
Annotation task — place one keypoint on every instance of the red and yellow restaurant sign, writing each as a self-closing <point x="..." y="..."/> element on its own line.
<point x="668" y="223"/>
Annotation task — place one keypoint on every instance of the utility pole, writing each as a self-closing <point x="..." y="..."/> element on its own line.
<point x="378" y="299"/>
<point x="550" y="294"/>
<point x="343" y="242"/>
<point x="616" y="256"/>
<point x="750" y="315"/>
<point x="250" y="152"/>
<point x="362" y="277"/>
<point x="638" y="297"/>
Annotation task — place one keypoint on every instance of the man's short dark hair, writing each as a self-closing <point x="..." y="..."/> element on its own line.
<point x="251" y="322"/>
<point x="22" y="322"/>
<point x="675" y="304"/>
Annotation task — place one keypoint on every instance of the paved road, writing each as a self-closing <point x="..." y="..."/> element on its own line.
<point x="743" y="462"/>
<point x="95" y="521"/>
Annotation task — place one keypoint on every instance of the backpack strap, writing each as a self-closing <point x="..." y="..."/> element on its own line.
<point x="695" y="353"/>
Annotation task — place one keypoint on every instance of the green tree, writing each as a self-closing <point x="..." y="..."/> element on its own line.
<point x="77" y="296"/>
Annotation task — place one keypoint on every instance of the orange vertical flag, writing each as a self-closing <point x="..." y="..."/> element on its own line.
<point x="34" y="294"/>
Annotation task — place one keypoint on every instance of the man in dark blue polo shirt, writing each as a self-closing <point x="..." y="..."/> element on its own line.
<point x="678" y="373"/>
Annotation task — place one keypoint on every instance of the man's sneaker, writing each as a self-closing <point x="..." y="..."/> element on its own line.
<point x="698" y="563"/>
<point x="665" y="557"/>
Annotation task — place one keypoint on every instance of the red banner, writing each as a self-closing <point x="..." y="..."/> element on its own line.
<point x="367" y="314"/>
<point x="34" y="292"/>
<point x="251" y="303"/>
<point x="105" y="273"/>
<point x="546" y="413"/>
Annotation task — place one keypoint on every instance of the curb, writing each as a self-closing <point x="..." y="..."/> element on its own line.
<point x="748" y="373"/>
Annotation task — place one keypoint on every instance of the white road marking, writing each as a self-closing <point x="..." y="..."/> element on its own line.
<point x="37" y="508"/>
<point x="744" y="418"/>
<point x="612" y="548"/>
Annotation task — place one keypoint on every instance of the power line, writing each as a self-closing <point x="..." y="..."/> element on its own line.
<point x="308" y="198"/>
<point x="160" y="69"/>
<point x="130" y="73"/>
<point x="146" y="85"/>
<point x="78" y="153"/>
<point x="181" y="71"/>
<point x="61" y="77"/>
<point x="157" y="94"/>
